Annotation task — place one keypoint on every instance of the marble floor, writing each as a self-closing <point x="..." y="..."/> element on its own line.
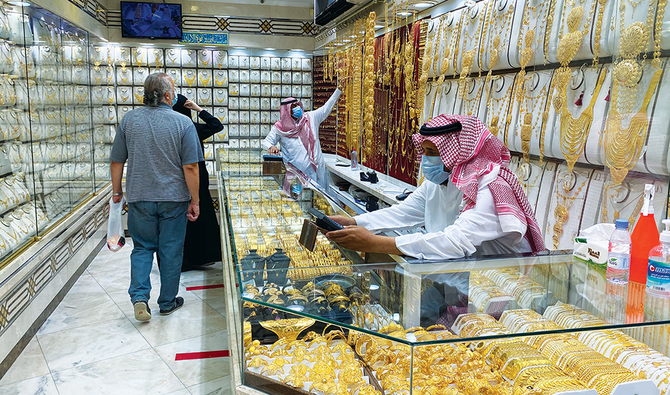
<point x="92" y="344"/>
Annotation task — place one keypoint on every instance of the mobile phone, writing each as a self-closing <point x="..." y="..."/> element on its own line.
<point x="322" y="220"/>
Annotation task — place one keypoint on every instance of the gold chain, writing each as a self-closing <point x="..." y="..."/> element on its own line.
<point x="575" y="131"/>
<point x="623" y="146"/>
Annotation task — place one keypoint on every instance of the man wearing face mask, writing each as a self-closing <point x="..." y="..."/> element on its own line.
<point x="470" y="203"/>
<point x="297" y="132"/>
<point x="162" y="149"/>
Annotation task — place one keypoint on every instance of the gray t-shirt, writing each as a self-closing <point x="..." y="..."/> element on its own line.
<point x="157" y="142"/>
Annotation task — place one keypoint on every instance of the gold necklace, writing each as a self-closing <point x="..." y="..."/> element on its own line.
<point x="7" y="229"/>
<point x="122" y="91"/>
<point x="205" y="98"/>
<point x="562" y="210"/>
<point x="139" y="97"/>
<point x="617" y="212"/>
<point x="523" y="173"/>
<point x="477" y="34"/>
<point x="79" y="60"/>
<point x="430" y="57"/>
<point x="575" y="131"/>
<point x="219" y="59"/>
<point x="472" y="103"/>
<point x="124" y="71"/>
<point x="568" y="46"/>
<point x="623" y="146"/>
<point x="496" y="106"/>
<point x="501" y="27"/>
<point x="203" y="81"/>
<point x="190" y="81"/>
<point x="172" y="56"/>
<point x="158" y="58"/>
<point x="98" y="77"/>
<point x="204" y="59"/>
<point x="220" y="92"/>
<point x="139" y="56"/>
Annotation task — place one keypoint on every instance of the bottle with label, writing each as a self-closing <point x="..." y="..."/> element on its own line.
<point x="296" y="188"/>
<point x="644" y="238"/>
<point x="618" y="264"/>
<point x="657" y="302"/>
<point x="354" y="160"/>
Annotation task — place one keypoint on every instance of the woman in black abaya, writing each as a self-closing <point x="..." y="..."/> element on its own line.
<point x="203" y="236"/>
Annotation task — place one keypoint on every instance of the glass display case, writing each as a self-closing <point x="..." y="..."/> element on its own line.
<point x="56" y="132"/>
<point x="329" y="321"/>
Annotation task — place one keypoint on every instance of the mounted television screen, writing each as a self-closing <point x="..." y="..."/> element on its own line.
<point x="327" y="10"/>
<point x="150" y="20"/>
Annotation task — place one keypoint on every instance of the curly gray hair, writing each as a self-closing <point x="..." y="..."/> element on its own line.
<point x="155" y="87"/>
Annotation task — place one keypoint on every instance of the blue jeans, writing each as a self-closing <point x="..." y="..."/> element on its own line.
<point x="156" y="226"/>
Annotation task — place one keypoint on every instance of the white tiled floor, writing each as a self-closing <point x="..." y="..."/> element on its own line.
<point x="92" y="344"/>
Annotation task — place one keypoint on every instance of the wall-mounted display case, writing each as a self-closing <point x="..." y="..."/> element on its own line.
<point x="57" y="120"/>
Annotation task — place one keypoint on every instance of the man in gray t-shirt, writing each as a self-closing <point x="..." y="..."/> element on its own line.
<point x="162" y="149"/>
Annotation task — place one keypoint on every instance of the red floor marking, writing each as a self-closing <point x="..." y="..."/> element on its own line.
<point x="202" y="355"/>
<point x="204" y="287"/>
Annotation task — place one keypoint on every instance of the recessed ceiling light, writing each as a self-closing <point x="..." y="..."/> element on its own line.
<point x="422" y="5"/>
<point x="240" y="47"/>
<point x="298" y="50"/>
<point x="269" y="49"/>
<point x="20" y="3"/>
<point x="346" y="40"/>
<point x="404" y="13"/>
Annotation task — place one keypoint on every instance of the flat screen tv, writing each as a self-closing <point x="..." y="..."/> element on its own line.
<point x="150" y="20"/>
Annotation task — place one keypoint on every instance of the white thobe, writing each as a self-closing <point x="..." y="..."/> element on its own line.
<point x="474" y="232"/>
<point x="294" y="152"/>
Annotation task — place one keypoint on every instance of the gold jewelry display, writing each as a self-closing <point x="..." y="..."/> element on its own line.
<point x="172" y="56"/>
<point x="139" y="95"/>
<point x="623" y="146"/>
<point x="189" y="81"/>
<point x="563" y="203"/>
<point x="575" y="131"/>
<point x="568" y="46"/>
<point x="204" y="81"/>
<point x="610" y="197"/>
<point x="204" y="57"/>
<point x="369" y="85"/>
<point x="139" y="53"/>
<point x="498" y="105"/>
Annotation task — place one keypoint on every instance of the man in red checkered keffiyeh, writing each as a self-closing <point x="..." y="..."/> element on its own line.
<point x="472" y="153"/>
<point x="463" y="163"/>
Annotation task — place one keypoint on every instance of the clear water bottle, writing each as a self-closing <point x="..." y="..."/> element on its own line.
<point x="354" y="160"/>
<point x="657" y="301"/>
<point x="618" y="266"/>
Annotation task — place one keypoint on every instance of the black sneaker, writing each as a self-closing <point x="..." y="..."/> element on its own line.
<point x="178" y="302"/>
<point x="142" y="311"/>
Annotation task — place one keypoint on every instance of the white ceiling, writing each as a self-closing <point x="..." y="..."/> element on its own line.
<point x="269" y="3"/>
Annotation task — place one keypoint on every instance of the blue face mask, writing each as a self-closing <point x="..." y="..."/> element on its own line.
<point x="297" y="112"/>
<point x="433" y="169"/>
<point x="174" y="101"/>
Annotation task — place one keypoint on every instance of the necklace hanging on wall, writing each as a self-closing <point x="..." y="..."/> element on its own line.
<point x="575" y="131"/>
